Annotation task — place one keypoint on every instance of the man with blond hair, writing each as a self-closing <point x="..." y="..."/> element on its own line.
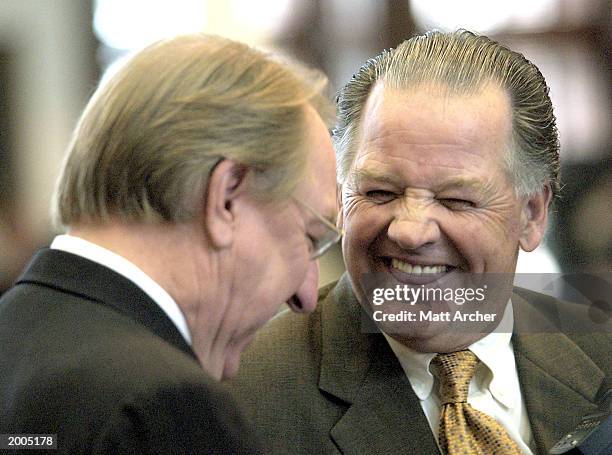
<point x="448" y="160"/>
<point x="197" y="193"/>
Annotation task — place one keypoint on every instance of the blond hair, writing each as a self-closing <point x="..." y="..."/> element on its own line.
<point x="463" y="63"/>
<point x="148" y="139"/>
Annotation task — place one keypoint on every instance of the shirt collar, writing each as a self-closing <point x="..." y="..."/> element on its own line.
<point x="128" y="269"/>
<point x="415" y="365"/>
<point x="494" y="351"/>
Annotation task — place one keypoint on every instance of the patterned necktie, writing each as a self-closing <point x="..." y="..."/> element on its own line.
<point x="463" y="429"/>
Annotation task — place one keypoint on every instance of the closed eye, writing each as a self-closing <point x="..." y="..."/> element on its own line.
<point x="380" y="196"/>
<point x="456" y="204"/>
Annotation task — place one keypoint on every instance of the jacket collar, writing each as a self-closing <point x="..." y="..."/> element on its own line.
<point x="360" y="369"/>
<point x="76" y="275"/>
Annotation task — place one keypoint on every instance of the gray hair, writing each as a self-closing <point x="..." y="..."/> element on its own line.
<point x="462" y="62"/>
<point x="148" y="139"/>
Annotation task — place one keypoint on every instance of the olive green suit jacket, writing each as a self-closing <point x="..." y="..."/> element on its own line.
<point x="316" y="384"/>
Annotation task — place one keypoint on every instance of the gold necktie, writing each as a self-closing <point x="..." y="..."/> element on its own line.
<point x="463" y="429"/>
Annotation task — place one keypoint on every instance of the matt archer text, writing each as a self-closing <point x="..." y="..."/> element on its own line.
<point x="443" y="316"/>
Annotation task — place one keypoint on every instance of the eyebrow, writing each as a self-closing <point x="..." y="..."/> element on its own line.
<point x="462" y="182"/>
<point x="360" y="175"/>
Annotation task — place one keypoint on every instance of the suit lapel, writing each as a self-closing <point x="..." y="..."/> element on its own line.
<point x="559" y="382"/>
<point x="77" y="275"/>
<point x="361" y="370"/>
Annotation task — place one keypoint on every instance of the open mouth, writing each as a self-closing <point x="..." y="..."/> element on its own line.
<point x="417" y="273"/>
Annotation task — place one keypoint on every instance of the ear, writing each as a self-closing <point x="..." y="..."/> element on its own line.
<point x="339" y="206"/>
<point x="534" y="218"/>
<point x="226" y="183"/>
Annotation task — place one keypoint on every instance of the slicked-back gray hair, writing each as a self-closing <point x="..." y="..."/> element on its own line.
<point x="147" y="141"/>
<point x="463" y="63"/>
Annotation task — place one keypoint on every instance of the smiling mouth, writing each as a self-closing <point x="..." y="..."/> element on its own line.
<point x="414" y="273"/>
<point x="418" y="269"/>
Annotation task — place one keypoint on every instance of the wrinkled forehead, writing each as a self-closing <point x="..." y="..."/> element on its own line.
<point x="489" y="103"/>
<point x="428" y="119"/>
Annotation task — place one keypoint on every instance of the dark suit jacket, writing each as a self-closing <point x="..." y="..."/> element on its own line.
<point x="86" y="354"/>
<point x="318" y="384"/>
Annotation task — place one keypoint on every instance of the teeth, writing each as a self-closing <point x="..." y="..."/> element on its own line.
<point x="417" y="269"/>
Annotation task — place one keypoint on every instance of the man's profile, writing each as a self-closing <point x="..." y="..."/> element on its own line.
<point x="195" y="194"/>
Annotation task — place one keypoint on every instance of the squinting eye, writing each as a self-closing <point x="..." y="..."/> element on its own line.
<point x="380" y="195"/>
<point x="456" y="204"/>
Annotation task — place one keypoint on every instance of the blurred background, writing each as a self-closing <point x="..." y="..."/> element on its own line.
<point x="53" y="53"/>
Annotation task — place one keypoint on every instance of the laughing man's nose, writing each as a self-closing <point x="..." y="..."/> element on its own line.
<point x="413" y="229"/>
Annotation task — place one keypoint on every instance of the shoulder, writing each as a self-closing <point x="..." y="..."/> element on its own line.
<point x="542" y="315"/>
<point x="177" y="417"/>
<point x="106" y="384"/>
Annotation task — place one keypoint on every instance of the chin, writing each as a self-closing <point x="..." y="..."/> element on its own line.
<point x="232" y="357"/>
<point x="231" y="366"/>
<point x="439" y="343"/>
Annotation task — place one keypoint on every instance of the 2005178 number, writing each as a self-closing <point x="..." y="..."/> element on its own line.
<point x="28" y="441"/>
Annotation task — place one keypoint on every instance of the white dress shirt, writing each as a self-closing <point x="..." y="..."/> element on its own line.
<point x="494" y="389"/>
<point x="129" y="270"/>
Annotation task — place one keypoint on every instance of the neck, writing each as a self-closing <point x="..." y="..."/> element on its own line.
<point x="179" y="260"/>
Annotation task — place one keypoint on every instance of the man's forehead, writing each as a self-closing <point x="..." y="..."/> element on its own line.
<point x="430" y="128"/>
<point x="318" y="184"/>
<point x="321" y="195"/>
<point x="387" y="102"/>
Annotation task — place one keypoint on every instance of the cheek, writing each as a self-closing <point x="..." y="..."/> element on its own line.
<point x="285" y="262"/>
<point x="497" y="238"/>
<point x="296" y="263"/>
<point x="463" y="227"/>
<point x="363" y="226"/>
<point x="264" y="262"/>
<point x="285" y="248"/>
